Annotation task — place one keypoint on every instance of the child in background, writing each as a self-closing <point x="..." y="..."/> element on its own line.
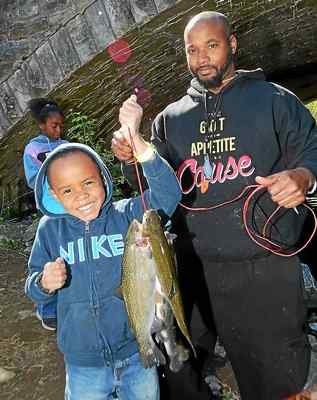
<point x="50" y="119"/>
<point x="77" y="258"/>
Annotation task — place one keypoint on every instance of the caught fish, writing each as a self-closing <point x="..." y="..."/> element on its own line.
<point x="151" y="293"/>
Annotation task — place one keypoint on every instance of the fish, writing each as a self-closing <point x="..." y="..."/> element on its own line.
<point x="151" y="293"/>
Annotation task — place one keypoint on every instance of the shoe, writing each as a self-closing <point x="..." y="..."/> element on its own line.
<point x="49" y="323"/>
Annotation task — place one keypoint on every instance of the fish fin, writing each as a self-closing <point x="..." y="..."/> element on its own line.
<point x="170" y="237"/>
<point x="178" y="360"/>
<point x="157" y="325"/>
<point x="153" y="357"/>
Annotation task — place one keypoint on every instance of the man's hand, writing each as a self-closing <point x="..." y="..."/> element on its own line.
<point x="308" y="394"/>
<point x="288" y="188"/>
<point x="130" y="116"/>
<point x="54" y="275"/>
<point x="121" y="147"/>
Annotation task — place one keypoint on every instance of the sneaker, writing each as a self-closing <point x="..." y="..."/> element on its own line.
<point x="49" y="323"/>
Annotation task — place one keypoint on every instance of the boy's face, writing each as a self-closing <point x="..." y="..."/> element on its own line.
<point x="76" y="183"/>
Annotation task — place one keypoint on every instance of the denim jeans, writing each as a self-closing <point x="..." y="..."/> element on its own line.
<point x="47" y="310"/>
<point x="126" y="380"/>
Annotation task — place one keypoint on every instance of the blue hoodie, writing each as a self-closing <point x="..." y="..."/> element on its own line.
<point x="93" y="328"/>
<point x="35" y="153"/>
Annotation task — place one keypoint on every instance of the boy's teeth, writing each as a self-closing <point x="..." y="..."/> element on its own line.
<point x="85" y="207"/>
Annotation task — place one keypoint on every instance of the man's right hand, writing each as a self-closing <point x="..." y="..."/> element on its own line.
<point x="121" y="147"/>
<point x="54" y="275"/>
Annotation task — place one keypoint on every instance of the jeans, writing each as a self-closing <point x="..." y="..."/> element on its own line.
<point x="47" y="310"/>
<point x="126" y="380"/>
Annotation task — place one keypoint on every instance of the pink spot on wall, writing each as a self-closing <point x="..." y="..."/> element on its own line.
<point x="143" y="95"/>
<point x="119" y="51"/>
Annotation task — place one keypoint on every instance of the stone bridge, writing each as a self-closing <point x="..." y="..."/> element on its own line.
<point x="64" y="48"/>
<point x="53" y="39"/>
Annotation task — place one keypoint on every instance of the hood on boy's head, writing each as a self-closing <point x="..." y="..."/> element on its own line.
<point x="45" y="200"/>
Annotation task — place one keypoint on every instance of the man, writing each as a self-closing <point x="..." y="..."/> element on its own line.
<point x="231" y="130"/>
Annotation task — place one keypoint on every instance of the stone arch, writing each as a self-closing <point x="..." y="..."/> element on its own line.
<point x="88" y="27"/>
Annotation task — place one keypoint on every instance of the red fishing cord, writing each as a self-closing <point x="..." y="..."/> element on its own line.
<point x="137" y="171"/>
<point x="254" y="236"/>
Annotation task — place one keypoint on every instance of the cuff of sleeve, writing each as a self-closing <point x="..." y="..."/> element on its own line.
<point x="40" y="287"/>
<point x="147" y="155"/>
<point x="154" y="167"/>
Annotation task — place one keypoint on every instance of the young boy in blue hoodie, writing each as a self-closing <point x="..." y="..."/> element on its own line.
<point x="50" y="119"/>
<point x="77" y="256"/>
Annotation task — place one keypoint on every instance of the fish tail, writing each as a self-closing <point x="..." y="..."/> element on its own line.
<point x="176" y="303"/>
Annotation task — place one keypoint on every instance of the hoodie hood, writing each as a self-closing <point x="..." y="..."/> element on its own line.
<point x="197" y="90"/>
<point x="45" y="200"/>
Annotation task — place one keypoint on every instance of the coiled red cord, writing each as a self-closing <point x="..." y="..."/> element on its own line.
<point x="260" y="240"/>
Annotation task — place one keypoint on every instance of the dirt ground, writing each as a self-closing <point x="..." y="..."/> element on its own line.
<point x="26" y="348"/>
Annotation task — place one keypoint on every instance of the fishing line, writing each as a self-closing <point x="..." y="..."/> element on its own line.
<point x="137" y="171"/>
<point x="260" y="240"/>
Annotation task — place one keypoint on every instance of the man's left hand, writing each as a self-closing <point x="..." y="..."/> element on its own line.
<point x="288" y="188"/>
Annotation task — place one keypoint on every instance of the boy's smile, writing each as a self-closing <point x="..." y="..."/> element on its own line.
<point x="76" y="182"/>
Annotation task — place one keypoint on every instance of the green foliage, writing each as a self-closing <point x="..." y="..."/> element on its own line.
<point x="11" y="244"/>
<point x="83" y="130"/>
<point x="312" y="105"/>
<point x="9" y="212"/>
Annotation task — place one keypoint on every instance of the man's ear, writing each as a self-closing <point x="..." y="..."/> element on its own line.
<point x="233" y="43"/>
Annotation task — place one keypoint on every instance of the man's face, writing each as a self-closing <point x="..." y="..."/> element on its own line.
<point x="209" y="53"/>
<point x="76" y="183"/>
<point x="54" y="125"/>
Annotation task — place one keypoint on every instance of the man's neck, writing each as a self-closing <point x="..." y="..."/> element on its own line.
<point x="229" y="77"/>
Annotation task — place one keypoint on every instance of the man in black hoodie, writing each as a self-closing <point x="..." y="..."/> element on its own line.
<point x="231" y="130"/>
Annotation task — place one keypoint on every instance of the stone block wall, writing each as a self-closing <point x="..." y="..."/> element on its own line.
<point x="42" y="42"/>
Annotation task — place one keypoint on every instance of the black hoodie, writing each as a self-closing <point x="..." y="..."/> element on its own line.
<point x="218" y="144"/>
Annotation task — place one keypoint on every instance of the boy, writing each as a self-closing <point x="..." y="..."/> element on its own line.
<point x="77" y="256"/>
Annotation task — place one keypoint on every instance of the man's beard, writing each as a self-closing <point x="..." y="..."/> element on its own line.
<point x="216" y="81"/>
